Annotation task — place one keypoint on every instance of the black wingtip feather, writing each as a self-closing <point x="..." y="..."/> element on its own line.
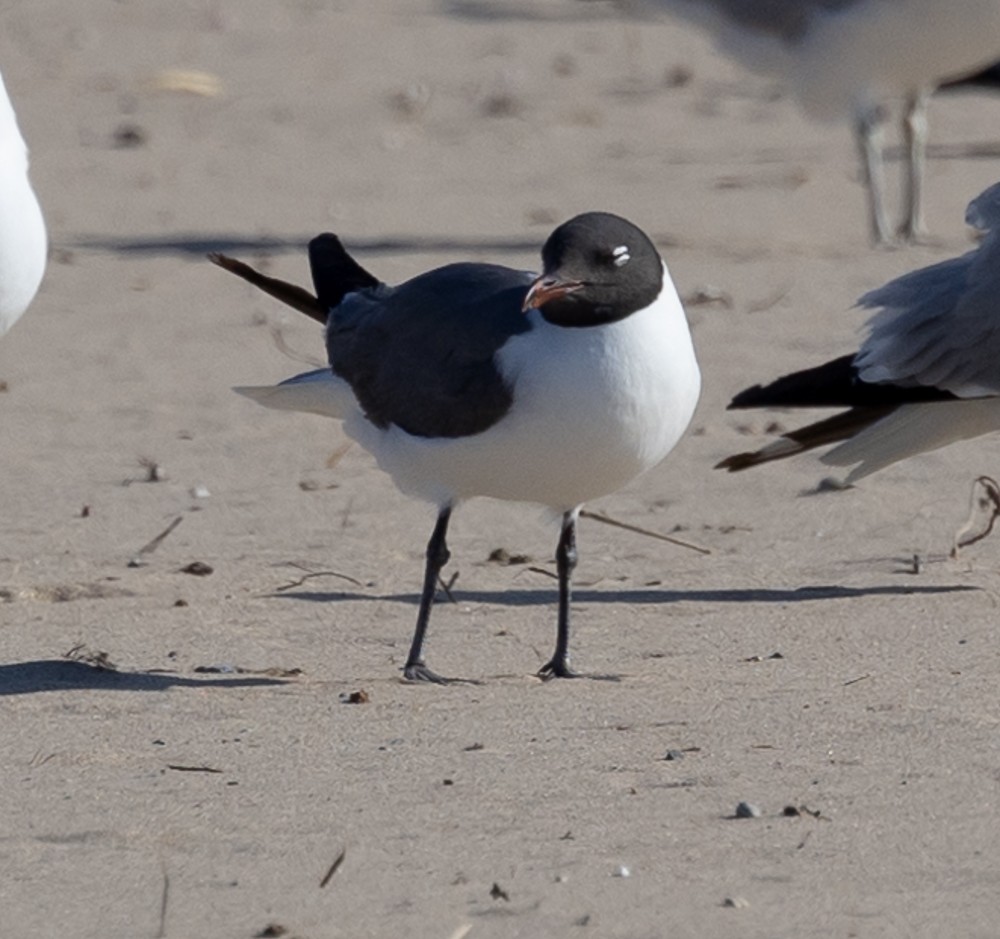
<point x="740" y="461"/>
<point x="335" y="273"/>
<point x="834" y="384"/>
<point x="987" y="78"/>
<point x="832" y="429"/>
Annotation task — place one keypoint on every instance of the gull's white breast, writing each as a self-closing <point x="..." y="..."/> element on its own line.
<point x="593" y="408"/>
<point x="23" y="242"/>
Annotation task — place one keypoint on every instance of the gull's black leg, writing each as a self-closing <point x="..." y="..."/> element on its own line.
<point x="558" y="665"/>
<point x="437" y="556"/>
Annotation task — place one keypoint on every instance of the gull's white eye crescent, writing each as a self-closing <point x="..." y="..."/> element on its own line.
<point x="620" y="255"/>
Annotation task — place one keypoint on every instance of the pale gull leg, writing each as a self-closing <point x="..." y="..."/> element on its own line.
<point x="868" y="127"/>
<point x="915" y="136"/>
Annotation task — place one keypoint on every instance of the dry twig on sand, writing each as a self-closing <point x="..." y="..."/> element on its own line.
<point x="988" y="499"/>
<point x="151" y="546"/>
<point x="608" y="520"/>
<point x="334" y="867"/>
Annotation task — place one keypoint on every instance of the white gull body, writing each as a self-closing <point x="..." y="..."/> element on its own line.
<point x="593" y="408"/>
<point x="23" y="242"/>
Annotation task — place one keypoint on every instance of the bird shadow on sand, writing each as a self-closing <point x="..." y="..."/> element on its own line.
<point x="66" y="675"/>
<point x="198" y="245"/>
<point x="538" y="596"/>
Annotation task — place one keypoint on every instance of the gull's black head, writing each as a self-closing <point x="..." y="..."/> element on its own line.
<point x="596" y="268"/>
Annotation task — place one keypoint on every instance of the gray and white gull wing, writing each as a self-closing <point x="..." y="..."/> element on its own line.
<point x="927" y="375"/>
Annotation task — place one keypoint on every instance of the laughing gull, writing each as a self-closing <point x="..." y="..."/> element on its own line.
<point x="851" y="57"/>
<point x="478" y="380"/>
<point x="23" y="243"/>
<point x="927" y="375"/>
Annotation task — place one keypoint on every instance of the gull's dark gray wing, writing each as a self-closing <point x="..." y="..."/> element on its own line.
<point x="421" y="356"/>
<point x="935" y="341"/>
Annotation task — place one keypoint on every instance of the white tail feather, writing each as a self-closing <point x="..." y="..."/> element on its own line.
<point x="318" y="392"/>
<point x="913" y="429"/>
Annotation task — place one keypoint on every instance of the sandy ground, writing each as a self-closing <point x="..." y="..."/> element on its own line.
<point x="805" y="662"/>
